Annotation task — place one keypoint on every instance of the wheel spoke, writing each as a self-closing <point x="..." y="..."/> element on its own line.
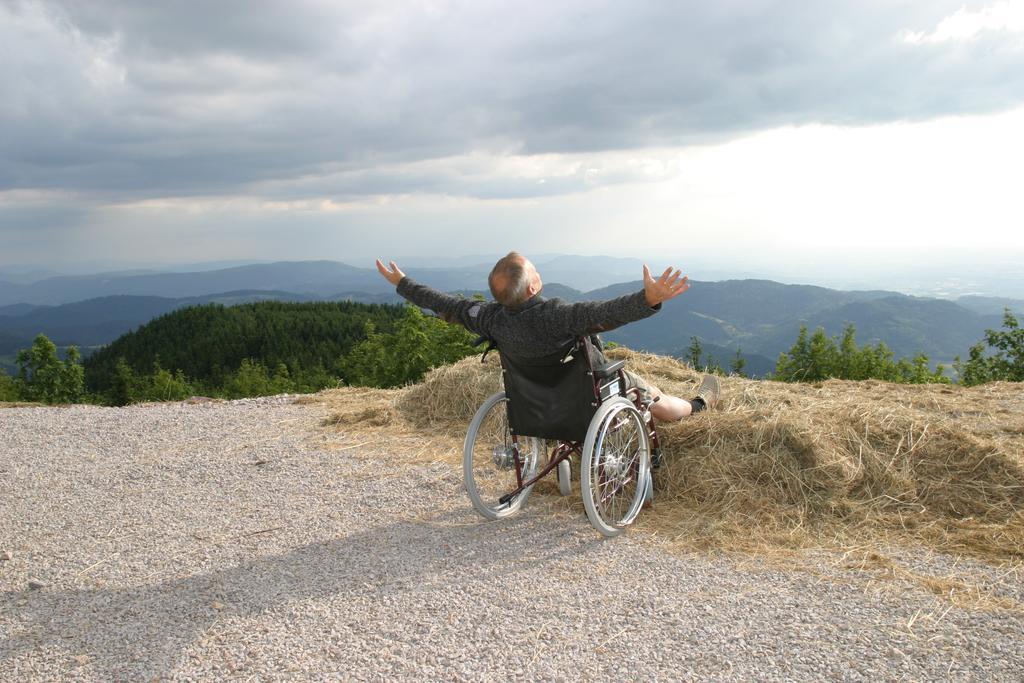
<point x="495" y="464"/>
<point x="616" y="468"/>
<point x="619" y="487"/>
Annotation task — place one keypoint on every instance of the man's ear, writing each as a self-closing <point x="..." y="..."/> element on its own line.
<point x="535" y="283"/>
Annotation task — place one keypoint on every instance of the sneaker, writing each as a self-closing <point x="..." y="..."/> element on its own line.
<point x="709" y="391"/>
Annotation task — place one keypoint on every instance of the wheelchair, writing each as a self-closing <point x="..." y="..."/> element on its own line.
<point x="579" y="410"/>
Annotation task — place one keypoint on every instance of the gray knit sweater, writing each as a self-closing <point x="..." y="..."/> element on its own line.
<point x="540" y="328"/>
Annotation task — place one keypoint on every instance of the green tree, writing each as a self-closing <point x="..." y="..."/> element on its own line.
<point x="251" y="379"/>
<point x="1005" y="364"/>
<point x="417" y="344"/>
<point x="124" y="387"/>
<point x="824" y="357"/>
<point x="850" y="359"/>
<point x="281" y="382"/>
<point x="164" y="385"/>
<point x="694" y="352"/>
<point x="817" y="357"/>
<point x="977" y="369"/>
<point x="44" y="377"/>
<point x="917" y="371"/>
<point x="738" y="364"/>
<point x="795" y="365"/>
<point x="8" y="387"/>
<point x="696" y="359"/>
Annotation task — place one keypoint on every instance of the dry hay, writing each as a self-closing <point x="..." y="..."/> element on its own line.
<point x="449" y="395"/>
<point x="355" y="408"/>
<point x="967" y="589"/>
<point x="370" y="422"/>
<point x="835" y="464"/>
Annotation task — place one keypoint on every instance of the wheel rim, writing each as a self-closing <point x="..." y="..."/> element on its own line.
<point x="492" y="462"/>
<point x="619" y="468"/>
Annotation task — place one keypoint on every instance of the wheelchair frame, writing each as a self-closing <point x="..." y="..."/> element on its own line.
<point x="612" y="412"/>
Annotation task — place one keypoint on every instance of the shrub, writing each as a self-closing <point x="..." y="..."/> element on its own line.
<point x="8" y="388"/>
<point x="818" y="357"/>
<point x="44" y="377"/>
<point x="254" y="379"/>
<point x="417" y="344"/>
<point x="1006" y="364"/>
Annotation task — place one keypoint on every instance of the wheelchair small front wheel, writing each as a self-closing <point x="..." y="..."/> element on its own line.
<point x="564" y="477"/>
<point x="491" y="460"/>
<point x="616" y="466"/>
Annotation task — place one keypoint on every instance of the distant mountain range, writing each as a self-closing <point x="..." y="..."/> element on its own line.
<point x="760" y="317"/>
<point x="308" y="278"/>
<point x="314" y="279"/>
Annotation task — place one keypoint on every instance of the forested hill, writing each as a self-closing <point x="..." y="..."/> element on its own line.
<point x="95" y="322"/>
<point x="207" y="343"/>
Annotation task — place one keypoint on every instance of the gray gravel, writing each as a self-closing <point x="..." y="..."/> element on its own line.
<point x="237" y="540"/>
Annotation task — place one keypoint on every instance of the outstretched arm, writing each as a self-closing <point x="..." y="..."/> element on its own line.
<point x="465" y="312"/>
<point x="593" y="317"/>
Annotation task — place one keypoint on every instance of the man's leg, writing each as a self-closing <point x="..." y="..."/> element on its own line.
<point x="670" y="408"/>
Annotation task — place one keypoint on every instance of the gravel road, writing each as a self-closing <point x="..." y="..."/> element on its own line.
<point x="241" y="541"/>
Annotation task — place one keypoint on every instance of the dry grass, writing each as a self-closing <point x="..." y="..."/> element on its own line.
<point x="785" y="466"/>
<point x="855" y="467"/>
<point x="845" y="463"/>
<point x="448" y="396"/>
<point x="850" y="466"/>
<point x="370" y="420"/>
<point x="968" y="590"/>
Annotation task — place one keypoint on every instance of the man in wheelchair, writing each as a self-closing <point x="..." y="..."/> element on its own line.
<point x="560" y="388"/>
<point x="529" y="328"/>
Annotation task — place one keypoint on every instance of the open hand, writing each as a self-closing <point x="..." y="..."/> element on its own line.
<point x="666" y="287"/>
<point x="392" y="275"/>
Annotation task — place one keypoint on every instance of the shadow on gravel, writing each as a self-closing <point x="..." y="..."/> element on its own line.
<point x="140" y="632"/>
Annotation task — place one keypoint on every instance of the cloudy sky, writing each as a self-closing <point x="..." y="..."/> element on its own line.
<point x="824" y="131"/>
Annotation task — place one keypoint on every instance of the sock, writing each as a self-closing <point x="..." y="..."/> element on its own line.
<point x="698" y="405"/>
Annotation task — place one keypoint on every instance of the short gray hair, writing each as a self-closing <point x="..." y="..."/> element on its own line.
<point x="510" y="273"/>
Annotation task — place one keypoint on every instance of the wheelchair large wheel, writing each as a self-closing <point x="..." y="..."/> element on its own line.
<point x="489" y="460"/>
<point x="616" y="467"/>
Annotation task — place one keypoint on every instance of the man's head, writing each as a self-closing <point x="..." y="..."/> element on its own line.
<point x="514" y="280"/>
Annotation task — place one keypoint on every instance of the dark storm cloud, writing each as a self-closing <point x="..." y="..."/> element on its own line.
<point x="136" y="99"/>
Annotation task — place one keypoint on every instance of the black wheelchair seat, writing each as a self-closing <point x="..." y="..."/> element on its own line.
<point x="556" y="397"/>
